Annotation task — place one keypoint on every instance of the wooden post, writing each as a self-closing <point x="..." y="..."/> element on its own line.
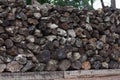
<point x="102" y="3"/>
<point x="113" y="4"/>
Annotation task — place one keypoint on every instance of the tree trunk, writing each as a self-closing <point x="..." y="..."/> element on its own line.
<point x="92" y="4"/>
<point x="102" y="3"/>
<point x="113" y="4"/>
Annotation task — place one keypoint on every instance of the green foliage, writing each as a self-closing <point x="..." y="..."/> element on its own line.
<point x="43" y="1"/>
<point x="76" y="3"/>
<point x="28" y="1"/>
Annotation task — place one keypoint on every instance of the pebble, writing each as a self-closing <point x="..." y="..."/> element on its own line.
<point x="14" y="66"/>
<point x="64" y="65"/>
<point x="9" y="43"/>
<point x="51" y="37"/>
<point x="11" y="16"/>
<point x="71" y="40"/>
<point x="21" y="59"/>
<point x="86" y="65"/>
<point x="107" y="19"/>
<point x="56" y="43"/>
<point x="30" y="38"/>
<point x="60" y="54"/>
<point x="36" y="49"/>
<point x="2" y="49"/>
<point x="18" y="38"/>
<point x="38" y="33"/>
<point x="79" y="31"/>
<point x="113" y="65"/>
<point x="45" y="18"/>
<point x="7" y="59"/>
<point x="21" y="15"/>
<point x="64" y="26"/>
<point x="99" y="45"/>
<point x="69" y="55"/>
<point x="99" y="58"/>
<point x="63" y="40"/>
<point x="115" y="55"/>
<point x="78" y="43"/>
<point x="63" y="19"/>
<point x="2" y="30"/>
<point x="71" y="33"/>
<point x="37" y="15"/>
<point x="89" y="27"/>
<point x="118" y="30"/>
<point x="97" y="65"/>
<point x="76" y="56"/>
<point x="12" y="51"/>
<point x="32" y="21"/>
<point x="44" y="56"/>
<point x="103" y="38"/>
<point x="103" y="53"/>
<point x="90" y="53"/>
<point x="105" y="65"/>
<point x="92" y="60"/>
<point x="30" y="46"/>
<point x="24" y="31"/>
<point x="1" y="41"/>
<point x="2" y="67"/>
<point x="40" y="67"/>
<point x="52" y="26"/>
<point x="41" y="41"/>
<point x="4" y="36"/>
<point x="21" y="51"/>
<point x="61" y="32"/>
<point x="76" y="65"/>
<point x="52" y="65"/>
<point x="95" y="34"/>
<point x="83" y="58"/>
<point x="92" y="42"/>
<point x="31" y="29"/>
<point x="1" y="60"/>
<point x="29" y="65"/>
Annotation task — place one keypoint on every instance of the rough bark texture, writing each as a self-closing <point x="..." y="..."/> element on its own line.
<point x="113" y="4"/>
<point x="102" y="3"/>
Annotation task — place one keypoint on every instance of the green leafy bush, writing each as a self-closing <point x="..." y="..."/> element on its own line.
<point x="75" y="3"/>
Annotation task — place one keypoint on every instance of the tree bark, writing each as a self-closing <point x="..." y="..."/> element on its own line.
<point x="92" y="3"/>
<point x="113" y="4"/>
<point x="102" y="3"/>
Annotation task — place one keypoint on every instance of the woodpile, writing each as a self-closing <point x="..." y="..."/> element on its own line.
<point x="52" y="38"/>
